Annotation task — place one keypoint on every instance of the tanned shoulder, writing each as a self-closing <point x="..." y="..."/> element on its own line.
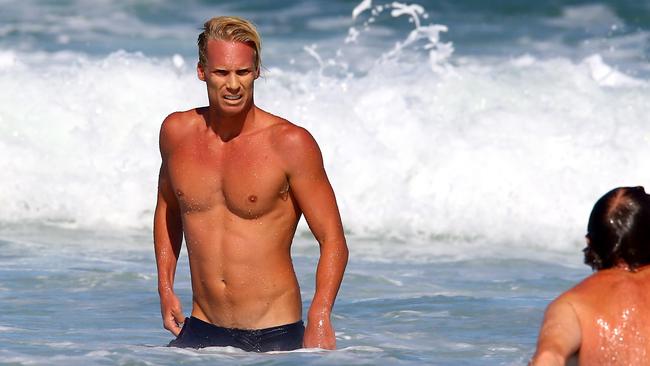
<point x="175" y="127"/>
<point x="583" y="295"/>
<point x="596" y="282"/>
<point x="296" y="146"/>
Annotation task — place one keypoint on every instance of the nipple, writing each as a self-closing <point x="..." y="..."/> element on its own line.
<point x="284" y="193"/>
<point x="179" y="193"/>
<point x="252" y="198"/>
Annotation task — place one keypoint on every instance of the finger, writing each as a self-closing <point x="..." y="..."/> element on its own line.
<point x="175" y="330"/>
<point x="172" y="326"/>
<point x="178" y="316"/>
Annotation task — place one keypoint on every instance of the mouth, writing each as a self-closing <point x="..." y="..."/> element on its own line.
<point x="232" y="97"/>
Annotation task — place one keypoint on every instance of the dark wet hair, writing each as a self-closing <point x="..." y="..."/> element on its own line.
<point x="619" y="229"/>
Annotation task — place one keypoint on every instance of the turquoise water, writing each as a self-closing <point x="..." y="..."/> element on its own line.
<point x="465" y="165"/>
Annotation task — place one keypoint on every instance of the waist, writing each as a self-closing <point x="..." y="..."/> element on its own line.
<point x="248" y="308"/>
<point x="197" y="333"/>
<point x="207" y="325"/>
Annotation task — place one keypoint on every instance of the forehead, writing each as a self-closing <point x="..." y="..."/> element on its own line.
<point x="230" y="54"/>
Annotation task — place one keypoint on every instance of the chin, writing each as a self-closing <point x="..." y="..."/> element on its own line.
<point x="232" y="110"/>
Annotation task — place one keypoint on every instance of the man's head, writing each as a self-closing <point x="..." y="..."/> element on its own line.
<point x="232" y="29"/>
<point x="229" y="64"/>
<point x="619" y="230"/>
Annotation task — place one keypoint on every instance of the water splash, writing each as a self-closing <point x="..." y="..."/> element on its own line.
<point x="361" y="7"/>
<point x="438" y="52"/>
<point x="487" y="155"/>
<point x="421" y="38"/>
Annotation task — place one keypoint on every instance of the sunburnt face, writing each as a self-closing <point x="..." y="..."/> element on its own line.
<point x="229" y="73"/>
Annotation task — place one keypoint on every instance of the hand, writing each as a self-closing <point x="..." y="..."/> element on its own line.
<point x="319" y="333"/>
<point x="172" y="312"/>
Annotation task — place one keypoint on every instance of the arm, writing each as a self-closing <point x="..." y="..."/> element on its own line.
<point x="312" y="189"/>
<point x="560" y="335"/>
<point x="167" y="236"/>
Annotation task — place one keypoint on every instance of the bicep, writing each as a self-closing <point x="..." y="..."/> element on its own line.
<point x="317" y="201"/>
<point x="312" y="190"/>
<point x="166" y="196"/>
<point x="168" y="135"/>
<point x="167" y="223"/>
<point x="560" y="333"/>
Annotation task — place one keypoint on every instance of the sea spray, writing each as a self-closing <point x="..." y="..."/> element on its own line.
<point x="507" y="151"/>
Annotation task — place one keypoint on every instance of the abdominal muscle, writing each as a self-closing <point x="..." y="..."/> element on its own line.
<point x="242" y="273"/>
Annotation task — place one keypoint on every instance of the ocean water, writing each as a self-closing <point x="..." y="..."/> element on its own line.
<point x="466" y="141"/>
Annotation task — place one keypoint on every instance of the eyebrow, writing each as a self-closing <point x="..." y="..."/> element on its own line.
<point x="224" y="68"/>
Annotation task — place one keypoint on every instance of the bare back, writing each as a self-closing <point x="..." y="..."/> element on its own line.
<point x="239" y="217"/>
<point x="611" y="306"/>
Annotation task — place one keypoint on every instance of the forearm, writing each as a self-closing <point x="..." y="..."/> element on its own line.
<point x="329" y="274"/>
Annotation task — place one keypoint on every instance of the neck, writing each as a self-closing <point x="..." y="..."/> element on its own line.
<point x="626" y="267"/>
<point x="622" y="265"/>
<point x="229" y="126"/>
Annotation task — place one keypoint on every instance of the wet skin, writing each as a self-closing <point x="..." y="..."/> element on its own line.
<point x="604" y="320"/>
<point x="234" y="181"/>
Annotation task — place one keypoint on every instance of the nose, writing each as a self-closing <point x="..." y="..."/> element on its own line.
<point x="232" y="83"/>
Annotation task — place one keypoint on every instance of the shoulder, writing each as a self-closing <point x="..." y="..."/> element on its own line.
<point x="178" y="122"/>
<point x="567" y="303"/>
<point x="177" y="125"/>
<point x="283" y="133"/>
<point x="588" y="293"/>
<point x="290" y="139"/>
<point x="294" y="145"/>
<point x="599" y="283"/>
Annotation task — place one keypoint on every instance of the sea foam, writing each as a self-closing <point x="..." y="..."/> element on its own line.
<point x="507" y="151"/>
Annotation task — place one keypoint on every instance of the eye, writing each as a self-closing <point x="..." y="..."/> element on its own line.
<point x="243" y="72"/>
<point x="220" y="72"/>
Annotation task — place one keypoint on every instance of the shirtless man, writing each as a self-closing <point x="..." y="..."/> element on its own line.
<point x="604" y="320"/>
<point x="234" y="181"/>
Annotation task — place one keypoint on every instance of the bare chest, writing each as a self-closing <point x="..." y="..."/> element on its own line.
<point x="245" y="178"/>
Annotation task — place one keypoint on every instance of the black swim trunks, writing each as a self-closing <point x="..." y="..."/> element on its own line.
<point x="198" y="334"/>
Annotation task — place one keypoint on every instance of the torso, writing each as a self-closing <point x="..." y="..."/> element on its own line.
<point x="612" y="308"/>
<point x="239" y="218"/>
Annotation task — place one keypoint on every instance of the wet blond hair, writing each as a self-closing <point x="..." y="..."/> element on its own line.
<point x="229" y="28"/>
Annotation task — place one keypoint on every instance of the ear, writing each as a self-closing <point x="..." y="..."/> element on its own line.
<point x="200" y="72"/>
<point x="257" y="73"/>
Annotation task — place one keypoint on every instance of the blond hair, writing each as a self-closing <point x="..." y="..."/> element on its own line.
<point x="230" y="28"/>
